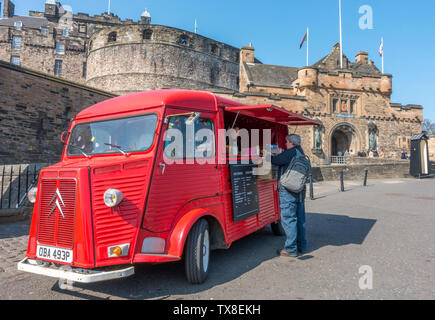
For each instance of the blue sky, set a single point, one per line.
(277, 27)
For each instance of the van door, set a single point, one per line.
(184, 177)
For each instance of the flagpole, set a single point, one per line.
(382, 55)
(108, 11)
(341, 38)
(308, 45)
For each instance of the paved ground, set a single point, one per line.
(387, 226)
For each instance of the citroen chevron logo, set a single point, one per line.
(57, 196)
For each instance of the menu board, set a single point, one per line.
(245, 191)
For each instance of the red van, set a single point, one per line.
(118, 198)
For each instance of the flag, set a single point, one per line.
(303, 40)
(381, 48)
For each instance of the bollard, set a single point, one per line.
(342, 181)
(311, 187)
(366, 172)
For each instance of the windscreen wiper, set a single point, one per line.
(117, 147)
(86, 155)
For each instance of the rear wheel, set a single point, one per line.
(197, 253)
(277, 229)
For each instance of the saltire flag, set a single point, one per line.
(303, 40)
(381, 48)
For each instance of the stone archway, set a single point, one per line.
(343, 138)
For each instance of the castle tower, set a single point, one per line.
(51, 9)
(308, 77)
(145, 18)
(8, 9)
(247, 55)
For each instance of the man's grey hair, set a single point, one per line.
(294, 139)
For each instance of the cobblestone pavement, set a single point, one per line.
(13, 246)
(387, 226)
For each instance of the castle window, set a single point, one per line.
(65, 32)
(60, 48)
(183, 40)
(16, 60)
(147, 34)
(18, 25)
(213, 49)
(82, 28)
(16, 42)
(334, 105)
(44, 31)
(352, 106)
(112, 37)
(58, 68)
(85, 69)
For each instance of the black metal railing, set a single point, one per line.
(16, 182)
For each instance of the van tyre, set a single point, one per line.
(197, 253)
(277, 229)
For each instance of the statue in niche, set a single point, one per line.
(372, 140)
(317, 138)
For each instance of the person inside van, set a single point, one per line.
(292, 205)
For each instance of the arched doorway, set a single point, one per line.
(343, 139)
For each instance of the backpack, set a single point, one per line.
(295, 177)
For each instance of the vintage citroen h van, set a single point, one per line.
(116, 200)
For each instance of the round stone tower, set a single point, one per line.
(386, 84)
(308, 77)
(138, 57)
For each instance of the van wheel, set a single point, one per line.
(197, 253)
(277, 229)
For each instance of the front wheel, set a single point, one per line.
(197, 255)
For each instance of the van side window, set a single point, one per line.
(190, 141)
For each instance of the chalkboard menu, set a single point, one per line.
(245, 191)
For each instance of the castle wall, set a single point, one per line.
(132, 63)
(35, 109)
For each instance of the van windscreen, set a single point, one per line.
(123, 135)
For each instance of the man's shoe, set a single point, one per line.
(284, 253)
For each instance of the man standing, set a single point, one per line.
(292, 204)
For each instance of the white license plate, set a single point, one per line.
(54, 254)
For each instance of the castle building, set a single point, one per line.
(116, 55)
(353, 103)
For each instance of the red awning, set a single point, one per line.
(273, 114)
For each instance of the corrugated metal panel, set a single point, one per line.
(117, 226)
(54, 228)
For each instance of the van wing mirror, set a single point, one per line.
(64, 136)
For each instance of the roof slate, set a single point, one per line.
(282, 76)
(270, 75)
(28, 22)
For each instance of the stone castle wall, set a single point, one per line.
(34, 110)
(152, 57)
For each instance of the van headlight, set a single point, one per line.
(31, 195)
(113, 197)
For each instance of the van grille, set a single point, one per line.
(55, 229)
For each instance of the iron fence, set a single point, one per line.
(16, 182)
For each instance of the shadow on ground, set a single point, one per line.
(14, 229)
(165, 280)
